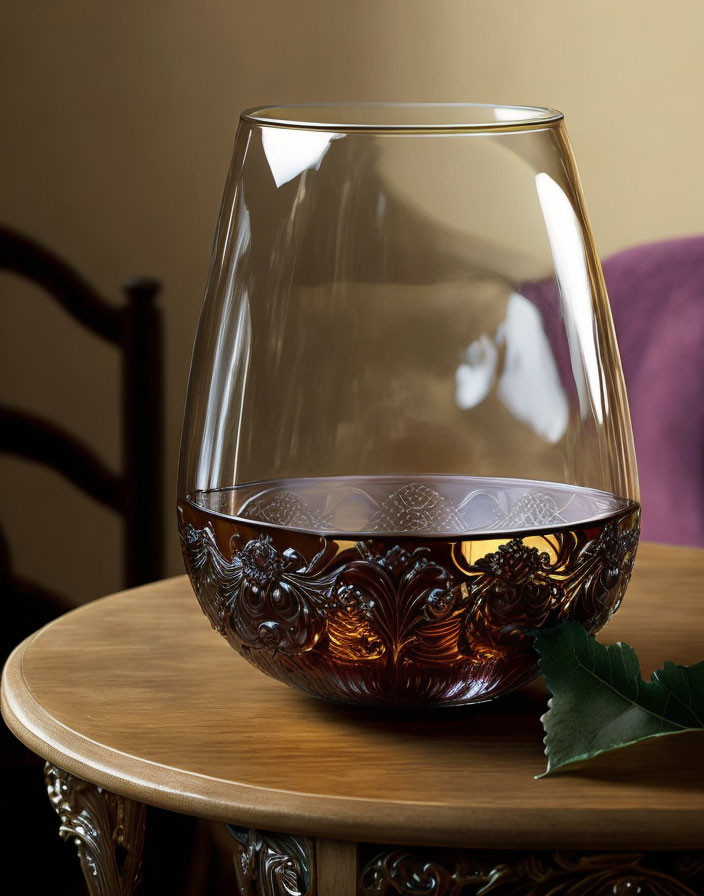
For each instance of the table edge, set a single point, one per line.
(343, 818)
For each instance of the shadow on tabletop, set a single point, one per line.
(672, 762)
(516, 715)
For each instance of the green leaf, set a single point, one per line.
(600, 701)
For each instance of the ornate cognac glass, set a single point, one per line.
(406, 444)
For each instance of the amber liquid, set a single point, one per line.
(404, 590)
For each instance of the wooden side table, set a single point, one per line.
(133, 700)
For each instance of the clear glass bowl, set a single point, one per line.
(406, 444)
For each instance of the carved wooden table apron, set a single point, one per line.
(133, 700)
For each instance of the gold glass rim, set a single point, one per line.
(387, 117)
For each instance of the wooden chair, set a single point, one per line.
(135, 329)
(135, 493)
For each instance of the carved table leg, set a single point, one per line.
(107, 830)
(269, 864)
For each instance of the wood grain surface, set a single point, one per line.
(136, 693)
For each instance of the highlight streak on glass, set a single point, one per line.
(290, 153)
(565, 236)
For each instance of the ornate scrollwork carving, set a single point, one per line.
(269, 864)
(514, 591)
(413, 872)
(603, 573)
(262, 597)
(107, 830)
(401, 596)
(407, 620)
(520, 588)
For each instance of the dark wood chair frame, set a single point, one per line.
(135, 329)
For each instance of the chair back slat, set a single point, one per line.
(135, 328)
(25, 435)
(23, 256)
(142, 433)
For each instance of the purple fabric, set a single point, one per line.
(657, 300)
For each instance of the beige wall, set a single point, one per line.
(117, 122)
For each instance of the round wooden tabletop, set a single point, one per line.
(134, 692)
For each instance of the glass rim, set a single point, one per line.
(390, 117)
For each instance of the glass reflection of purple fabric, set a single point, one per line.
(657, 301)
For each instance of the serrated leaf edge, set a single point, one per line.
(583, 757)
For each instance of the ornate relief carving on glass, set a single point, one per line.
(407, 443)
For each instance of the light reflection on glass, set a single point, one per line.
(231, 361)
(291, 152)
(529, 383)
(476, 375)
(567, 245)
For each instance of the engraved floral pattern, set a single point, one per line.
(603, 572)
(416, 507)
(415, 872)
(263, 598)
(215, 580)
(515, 591)
(376, 620)
(284, 508)
(534, 509)
(400, 597)
(520, 577)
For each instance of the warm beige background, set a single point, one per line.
(117, 123)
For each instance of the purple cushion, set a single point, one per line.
(657, 300)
